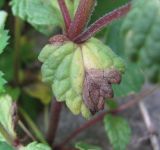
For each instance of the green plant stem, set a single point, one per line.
(46, 117)
(54, 120)
(33, 126)
(22, 126)
(103, 114)
(17, 35)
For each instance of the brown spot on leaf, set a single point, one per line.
(98, 87)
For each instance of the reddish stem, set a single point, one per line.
(81, 18)
(103, 114)
(65, 13)
(54, 120)
(102, 22)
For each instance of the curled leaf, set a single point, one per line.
(78, 70)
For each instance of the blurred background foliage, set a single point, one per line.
(30, 24)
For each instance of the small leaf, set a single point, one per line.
(118, 131)
(6, 112)
(5, 146)
(40, 14)
(84, 146)
(40, 91)
(37, 146)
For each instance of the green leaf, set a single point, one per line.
(84, 146)
(132, 81)
(40, 91)
(3, 16)
(44, 16)
(3, 42)
(5, 146)
(64, 67)
(40, 14)
(6, 111)
(141, 37)
(3, 33)
(3, 39)
(118, 131)
(37, 146)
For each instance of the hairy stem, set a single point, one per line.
(17, 35)
(102, 115)
(81, 18)
(102, 22)
(54, 120)
(65, 13)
